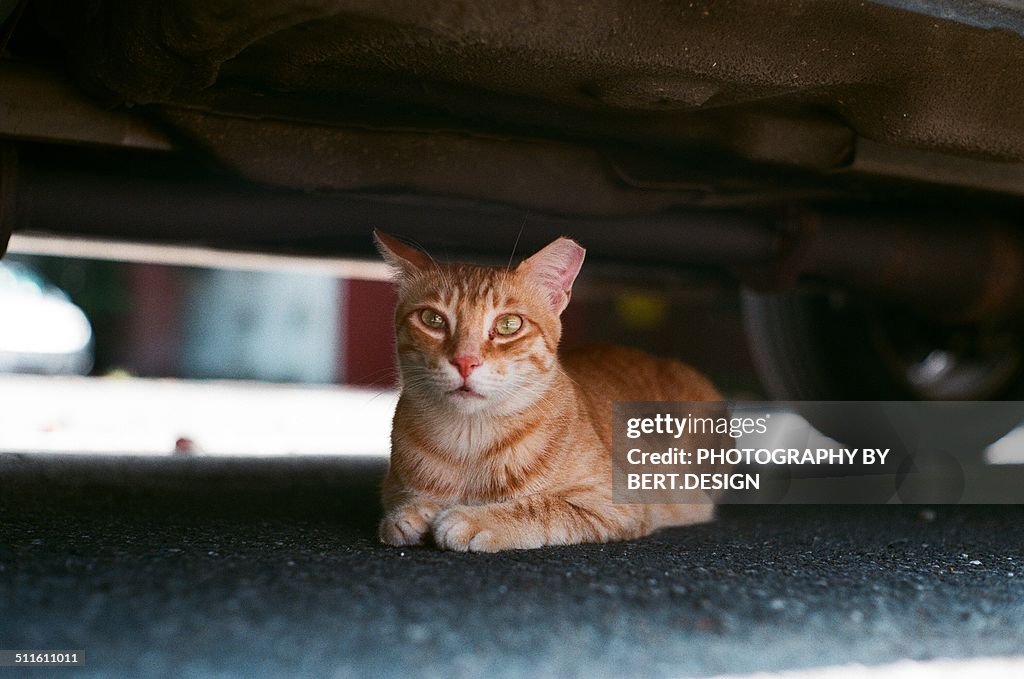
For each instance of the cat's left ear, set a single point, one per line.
(555, 268)
(404, 258)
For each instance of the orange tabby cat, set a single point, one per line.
(498, 443)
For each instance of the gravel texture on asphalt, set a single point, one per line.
(270, 567)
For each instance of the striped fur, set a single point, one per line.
(516, 454)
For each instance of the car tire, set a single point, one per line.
(818, 346)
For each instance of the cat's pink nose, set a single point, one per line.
(466, 364)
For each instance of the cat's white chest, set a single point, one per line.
(468, 438)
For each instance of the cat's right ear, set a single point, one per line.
(402, 257)
(555, 268)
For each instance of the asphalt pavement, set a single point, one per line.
(269, 567)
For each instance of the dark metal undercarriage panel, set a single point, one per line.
(601, 108)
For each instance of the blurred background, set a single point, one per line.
(119, 356)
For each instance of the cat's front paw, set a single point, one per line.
(467, 529)
(408, 524)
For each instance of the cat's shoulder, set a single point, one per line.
(607, 355)
(634, 374)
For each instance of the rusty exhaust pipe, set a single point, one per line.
(948, 271)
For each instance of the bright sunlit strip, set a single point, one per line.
(1007, 450)
(144, 253)
(156, 417)
(990, 668)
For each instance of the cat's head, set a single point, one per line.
(474, 339)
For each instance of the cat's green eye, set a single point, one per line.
(432, 319)
(508, 324)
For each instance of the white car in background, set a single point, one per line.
(42, 330)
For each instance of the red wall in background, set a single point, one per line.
(151, 344)
(368, 357)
